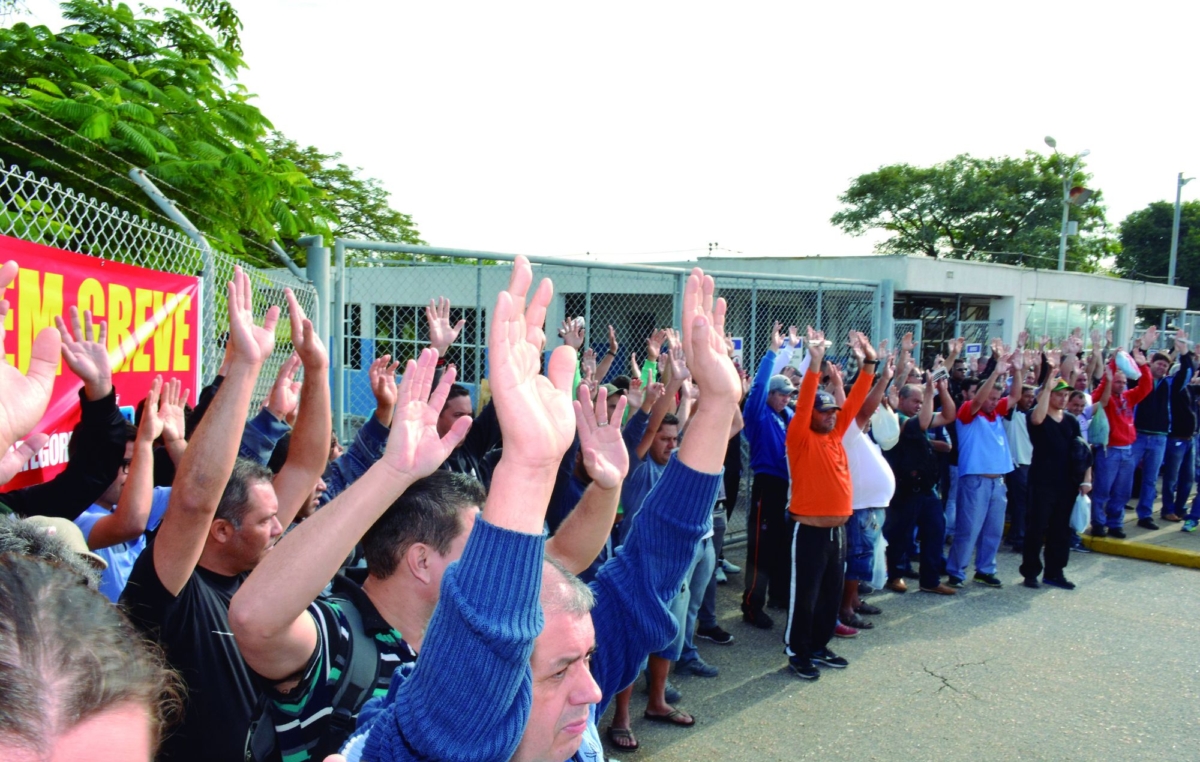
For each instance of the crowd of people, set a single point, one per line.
(208, 585)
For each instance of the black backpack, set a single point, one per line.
(354, 688)
(914, 462)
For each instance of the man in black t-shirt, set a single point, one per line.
(223, 517)
(1054, 483)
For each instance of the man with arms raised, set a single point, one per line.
(223, 516)
(535, 641)
(302, 647)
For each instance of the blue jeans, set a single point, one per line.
(862, 532)
(1179, 471)
(979, 524)
(708, 608)
(694, 585)
(1112, 481)
(952, 500)
(1148, 452)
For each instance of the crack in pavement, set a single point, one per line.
(946, 681)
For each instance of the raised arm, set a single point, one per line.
(268, 614)
(871, 403)
(925, 414)
(949, 410)
(27, 394)
(808, 387)
(1037, 416)
(582, 534)
(679, 372)
(609, 357)
(308, 453)
(204, 471)
(864, 353)
(132, 512)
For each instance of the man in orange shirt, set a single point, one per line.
(820, 506)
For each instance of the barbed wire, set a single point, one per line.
(125, 178)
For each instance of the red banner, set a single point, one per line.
(153, 329)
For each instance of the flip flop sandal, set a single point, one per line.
(858, 623)
(674, 718)
(618, 735)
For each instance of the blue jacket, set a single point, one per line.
(766, 430)
(482, 633)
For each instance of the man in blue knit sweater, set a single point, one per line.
(511, 668)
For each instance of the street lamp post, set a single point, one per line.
(1066, 202)
(1182, 181)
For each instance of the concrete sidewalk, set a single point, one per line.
(1166, 545)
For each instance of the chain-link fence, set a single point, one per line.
(37, 210)
(381, 302)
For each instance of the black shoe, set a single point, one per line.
(955, 582)
(1099, 531)
(759, 619)
(1147, 524)
(1117, 534)
(867, 609)
(803, 668)
(828, 658)
(1031, 582)
(988, 579)
(1060, 582)
(715, 634)
(864, 589)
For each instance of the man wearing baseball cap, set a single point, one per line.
(820, 506)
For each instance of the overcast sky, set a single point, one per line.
(647, 130)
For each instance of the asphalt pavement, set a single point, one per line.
(1109, 671)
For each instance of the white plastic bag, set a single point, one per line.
(885, 428)
(1126, 365)
(1081, 514)
(879, 564)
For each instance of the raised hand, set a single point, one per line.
(703, 342)
(284, 396)
(635, 370)
(836, 380)
(414, 448)
(816, 346)
(534, 411)
(249, 344)
(1096, 338)
(305, 340)
(151, 426)
(654, 344)
(1022, 338)
(1149, 337)
(441, 333)
(652, 393)
(571, 333)
(604, 453)
(678, 364)
(613, 346)
(587, 365)
(171, 409)
(25, 395)
(906, 342)
(87, 358)
(793, 336)
(382, 375)
(864, 343)
(634, 394)
(856, 348)
(956, 345)
(776, 337)
(1181, 342)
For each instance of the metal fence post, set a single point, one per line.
(478, 329)
(820, 306)
(587, 307)
(677, 301)
(339, 340)
(751, 360)
(317, 270)
(887, 306)
(208, 312)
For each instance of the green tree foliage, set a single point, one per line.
(120, 88)
(360, 206)
(1146, 246)
(1002, 210)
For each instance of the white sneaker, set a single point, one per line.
(721, 578)
(729, 568)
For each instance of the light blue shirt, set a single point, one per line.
(120, 557)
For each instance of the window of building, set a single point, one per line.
(1057, 319)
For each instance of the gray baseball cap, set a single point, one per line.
(781, 384)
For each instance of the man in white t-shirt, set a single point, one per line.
(872, 483)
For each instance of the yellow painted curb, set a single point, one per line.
(1143, 551)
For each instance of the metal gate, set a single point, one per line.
(902, 327)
